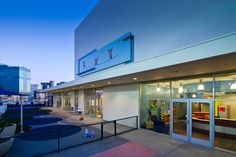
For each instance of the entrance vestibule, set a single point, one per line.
(94, 103)
(191, 121)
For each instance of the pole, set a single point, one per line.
(58, 141)
(101, 130)
(21, 116)
(115, 128)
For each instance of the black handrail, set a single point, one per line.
(59, 130)
(83, 125)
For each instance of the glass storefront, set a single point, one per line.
(94, 102)
(225, 111)
(155, 106)
(76, 100)
(58, 100)
(190, 106)
(67, 101)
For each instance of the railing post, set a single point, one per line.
(115, 128)
(101, 130)
(136, 122)
(58, 141)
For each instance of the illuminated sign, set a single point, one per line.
(117, 52)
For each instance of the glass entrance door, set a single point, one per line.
(191, 121)
(99, 100)
(93, 103)
(93, 107)
(179, 118)
(201, 122)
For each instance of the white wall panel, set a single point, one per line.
(158, 26)
(120, 102)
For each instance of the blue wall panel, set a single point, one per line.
(116, 52)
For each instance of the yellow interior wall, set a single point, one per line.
(217, 103)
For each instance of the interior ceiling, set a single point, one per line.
(211, 65)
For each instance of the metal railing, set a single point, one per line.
(61, 142)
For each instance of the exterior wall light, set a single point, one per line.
(194, 96)
(108, 82)
(135, 78)
(200, 86)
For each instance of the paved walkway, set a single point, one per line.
(73, 118)
(140, 143)
(70, 117)
(28, 147)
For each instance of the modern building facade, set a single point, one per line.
(15, 79)
(170, 63)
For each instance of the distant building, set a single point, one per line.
(60, 83)
(46, 85)
(15, 79)
(46, 98)
(34, 88)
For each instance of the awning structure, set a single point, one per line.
(212, 56)
(215, 64)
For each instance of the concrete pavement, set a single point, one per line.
(140, 142)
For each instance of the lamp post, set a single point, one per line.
(21, 116)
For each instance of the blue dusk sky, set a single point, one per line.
(39, 35)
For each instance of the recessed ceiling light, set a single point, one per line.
(135, 78)
(108, 82)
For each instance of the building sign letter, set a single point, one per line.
(117, 52)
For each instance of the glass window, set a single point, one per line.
(155, 106)
(94, 102)
(225, 111)
(76, 100)
(155, 90)
(58, 100)
(193, 88)
(67, 101)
